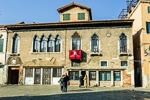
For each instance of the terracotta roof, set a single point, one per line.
(70, 5)
(1, 26)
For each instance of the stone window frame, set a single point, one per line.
(101, 63)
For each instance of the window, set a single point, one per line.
(1, 45)
(15, 43)
(75, 63)
(29, 72)
(148, 27)
(123, 43)
(43, 44)
(94, 43)
(74, 75)
(105, 76)
(124, 63)
(76, 42)
(57, 44)
(66, 16)
(50, 46)
(92, 75)
(81, 16)
(117, 76)
(103, 63)
(148, 9)
(57, 72)
(36, 44)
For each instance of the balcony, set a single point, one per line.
(75, 55)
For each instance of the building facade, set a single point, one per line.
(40, 53)
(139, 10)
(3, 44)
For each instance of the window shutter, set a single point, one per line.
(148, 27)
(1, 45)
(148, 9)
(66, 16)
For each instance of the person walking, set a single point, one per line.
(80, 80)
(65, 82)
(85, 81)
(61, 82)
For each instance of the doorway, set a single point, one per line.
(83, 74)
(13, 75)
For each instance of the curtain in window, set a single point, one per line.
(36, 44)
(123, 43)
(15, 44)
(1, 45)
(94, 43)
(43, 44)
(57, 44)
(50, 46)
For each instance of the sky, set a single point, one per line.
(45, 11)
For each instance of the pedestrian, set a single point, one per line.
(65, 82)
(80, 80)
(61, 82)
(85, 81)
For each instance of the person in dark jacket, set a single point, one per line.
(65, 82)
(61, 82)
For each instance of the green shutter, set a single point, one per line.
(148, 9)
(81, 16)
(1, 45)
(66, 16)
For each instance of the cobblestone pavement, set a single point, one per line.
(52, 92)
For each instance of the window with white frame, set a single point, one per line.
(50, 44)
(94, 43)
(28, 72)
(123, 43)
(43, 44)
(57, 72)
(57, 44)
(15, 43)
(117, 76)
(124, 63)
(76, 41)
(36, 44)
(105, 76)
(1, 45)
(103, 63)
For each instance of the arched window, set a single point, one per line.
(15, 43)
(36, 44)
(57, 44)
(94, 43)
(43, 44)
(50, 44)
(76, 42)
(123, 43)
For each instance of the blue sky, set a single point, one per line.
(45, 11)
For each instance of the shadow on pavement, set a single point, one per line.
(100, 95)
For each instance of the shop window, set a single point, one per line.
(50, 44)
(66, 17)
(1, 45)
(75, 63)
(94, 43)
(92, 75)
(74, 75)
(117, 76)
(124, 63)
(57, 43)
(105, 76)
(15, 43)
(76, 42)
(81, 16)
(29, 72)
(57, 72)
(103, 63)
(123, 43)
